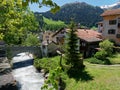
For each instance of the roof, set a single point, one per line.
(89, 35)
(57, 32)
(47, 43)
(111, 12)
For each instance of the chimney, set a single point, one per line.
(79, 26)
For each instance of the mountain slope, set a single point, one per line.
(113, 6)
(81, 12)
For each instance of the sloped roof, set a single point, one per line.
(111, 12)
(89, 35)
(57, 32)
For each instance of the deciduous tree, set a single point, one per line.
(15, 21)
(48, 3)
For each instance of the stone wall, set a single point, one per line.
(14, 50)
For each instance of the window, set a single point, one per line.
(83, 44)
(111, 31)
(118, 22)
(118, 25)
(47, 37)
(112, 22)
(118, 35)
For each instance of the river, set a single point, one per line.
(25, 73)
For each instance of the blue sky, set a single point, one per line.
(35, 7)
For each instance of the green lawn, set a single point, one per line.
(95, 76)
(100, 77)
(115, 59)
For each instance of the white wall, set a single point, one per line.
(106, 27)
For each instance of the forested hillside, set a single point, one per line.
(83, 13)
(49, 24)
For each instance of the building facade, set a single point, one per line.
(111, 25)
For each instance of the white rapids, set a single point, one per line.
(25, 73)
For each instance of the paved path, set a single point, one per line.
(25, 73)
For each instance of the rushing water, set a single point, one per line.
(25, 73)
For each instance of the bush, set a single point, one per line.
(107, 46)
(101, 55)
(31, 40)
(105, 52)
(47, 63)
(95, 61)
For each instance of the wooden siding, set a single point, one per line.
(111, 17)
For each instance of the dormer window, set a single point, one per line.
(112, 22)
(111, 31)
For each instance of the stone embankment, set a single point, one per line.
(7, 81)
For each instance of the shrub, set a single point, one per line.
(31, 40)
(47, 63)
(94, 60)
(107, 46)
(53, 80)
(101, 55)
(106, 51)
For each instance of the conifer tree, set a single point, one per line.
(72, 54)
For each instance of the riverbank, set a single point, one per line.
(7, 81)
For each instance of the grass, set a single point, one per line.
(95, 76)
(104, 77)
(115, 59)
(50, 21)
